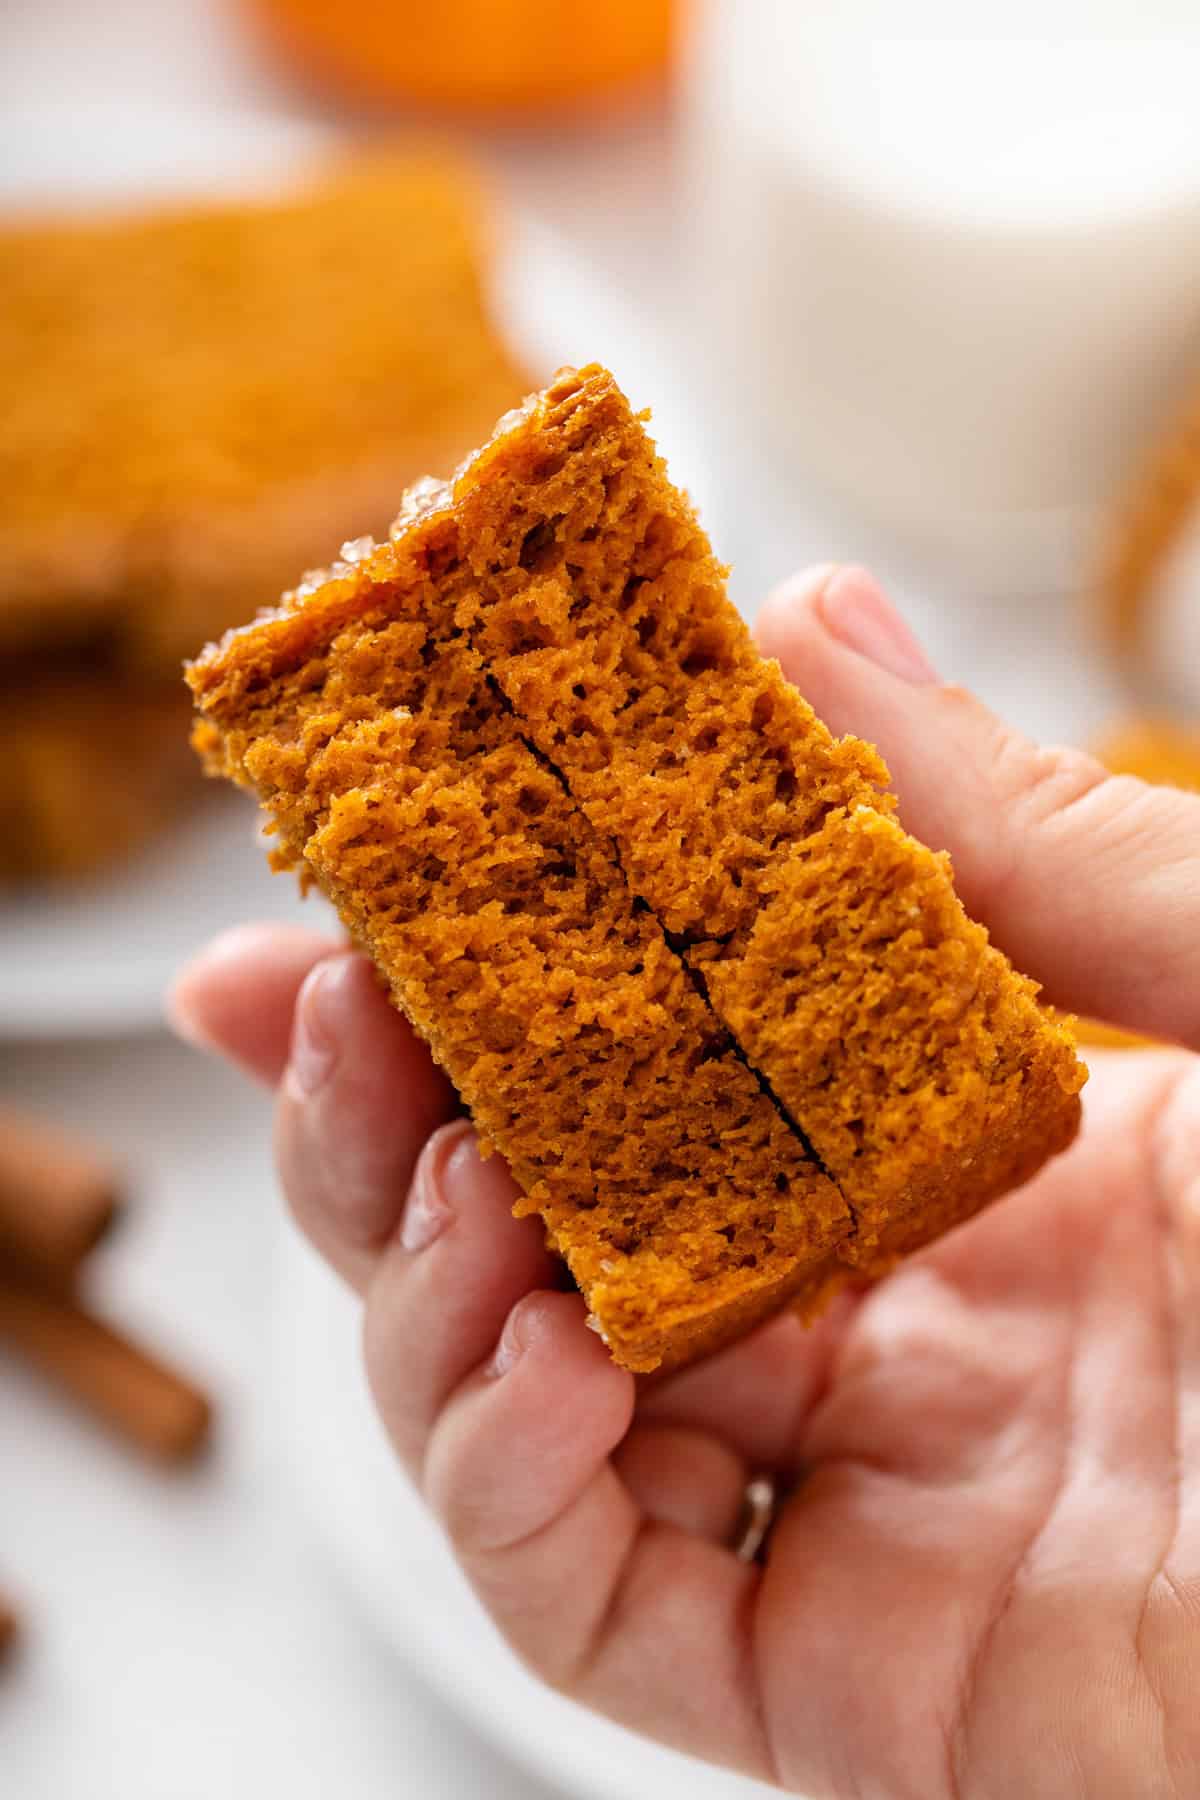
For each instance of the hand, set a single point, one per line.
(986, 1581)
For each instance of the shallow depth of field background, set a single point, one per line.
(897, 295)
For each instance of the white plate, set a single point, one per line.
(400, 1569)
(97, 958)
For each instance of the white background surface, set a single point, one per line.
(189, 1637)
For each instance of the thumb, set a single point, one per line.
(1089, 881)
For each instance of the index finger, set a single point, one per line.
(1090, 882)
(237, 994)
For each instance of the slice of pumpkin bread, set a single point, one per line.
(590, 837)
(915, 1060)
(397, 777)
(195, 400)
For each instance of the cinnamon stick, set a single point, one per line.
(57, 1198)
(9, 1627)
(130, 1390)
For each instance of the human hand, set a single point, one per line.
(986, 1580)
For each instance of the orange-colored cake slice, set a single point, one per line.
(197, 402)
(570, 590)
(396, 776)
(918, 1064)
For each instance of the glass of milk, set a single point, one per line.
(950, 257)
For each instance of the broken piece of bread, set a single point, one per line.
(729, 1025)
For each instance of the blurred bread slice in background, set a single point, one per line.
(195, 404)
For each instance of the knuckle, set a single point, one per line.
(465, 1514)
(337, 1171)
(1036, 790)
(469, 1510)
(1039, 784)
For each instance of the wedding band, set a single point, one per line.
(757, 1517)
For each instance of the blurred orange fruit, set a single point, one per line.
(495, 56)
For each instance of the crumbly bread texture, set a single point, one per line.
(564, 584)
(396, 776)
(195, 403)
(915, 1060)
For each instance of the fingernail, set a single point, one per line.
(799, 590)
(513, 1343)
(809, 582)
(181, 1024)
(315, 1028)
(229, 946)
(441, 1187)
(857, 612)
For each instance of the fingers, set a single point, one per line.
(641, 1620)
(756, 1397)
(360, 1094)
(359, 1098)
(529, 1430)
(1090, 882)
(236, 995)
(510, 1413)
(439, 1296)
(684, 1476)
